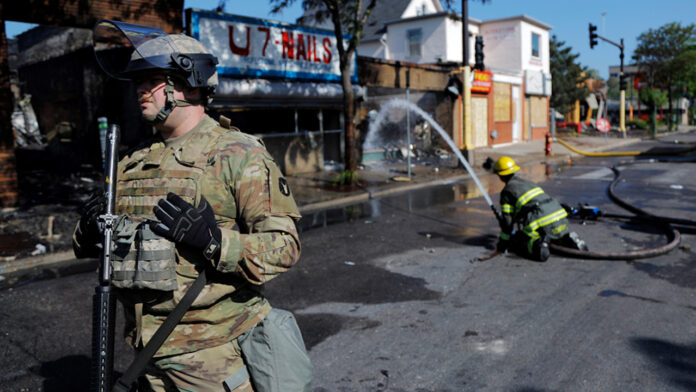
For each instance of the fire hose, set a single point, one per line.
(665, 223)
(625, 153)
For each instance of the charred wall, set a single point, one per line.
(387, 79)
(67, 103)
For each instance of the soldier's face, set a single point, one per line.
(151, 96)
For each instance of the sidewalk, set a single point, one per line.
(315, 191)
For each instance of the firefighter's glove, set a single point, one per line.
(91, 229)
(182, 223)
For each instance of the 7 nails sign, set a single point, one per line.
(255, 48)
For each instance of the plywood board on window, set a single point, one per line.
(479, 121)
(539, 113)
(501, 102)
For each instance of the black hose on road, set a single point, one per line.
(673, 235)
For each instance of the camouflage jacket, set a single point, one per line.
(254, 210)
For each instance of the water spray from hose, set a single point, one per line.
(405, 105)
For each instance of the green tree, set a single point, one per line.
(613, 91)
(653, 98)
(567, 74)
(666, 57)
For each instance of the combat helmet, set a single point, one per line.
(125, 50)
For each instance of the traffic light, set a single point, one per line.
(622, 83)
(593, 36)
(478, 53)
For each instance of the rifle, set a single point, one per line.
(104, 300)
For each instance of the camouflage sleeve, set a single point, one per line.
(268, 243)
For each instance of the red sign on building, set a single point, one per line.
(483, 81)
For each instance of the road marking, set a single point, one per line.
(498, 346)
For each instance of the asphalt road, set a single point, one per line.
(389, 297)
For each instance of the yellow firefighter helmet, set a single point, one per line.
(504, 166)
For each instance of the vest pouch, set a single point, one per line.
(141, 259)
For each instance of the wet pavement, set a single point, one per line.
(29, 249)
(390, 297)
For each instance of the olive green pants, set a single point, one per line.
(200, 371)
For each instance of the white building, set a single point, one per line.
(516, 53)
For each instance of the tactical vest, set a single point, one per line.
(141, 259)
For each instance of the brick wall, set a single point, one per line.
(8, 172)
(164, 14)
(8, 177)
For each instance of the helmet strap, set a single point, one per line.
(170, 103)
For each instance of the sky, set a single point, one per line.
(615, 19)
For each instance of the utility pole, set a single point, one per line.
(622, 81)
(466, 79)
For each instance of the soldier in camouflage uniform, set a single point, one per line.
(539, 218)
(217, 197)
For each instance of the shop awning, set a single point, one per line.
(264, 93)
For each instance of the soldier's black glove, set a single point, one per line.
(90, 228)
(185, 224)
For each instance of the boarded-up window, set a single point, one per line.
(539, 114)
(479, 121)
(501, 102)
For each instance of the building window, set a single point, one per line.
(414, 42)
(535, 45)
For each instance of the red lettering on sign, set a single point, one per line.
(242, 51)
(316, 58)
(327, 50)
(288, 45)
(268, 37)
(301, 47)
(310, 49)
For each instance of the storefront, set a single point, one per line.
(280, 82)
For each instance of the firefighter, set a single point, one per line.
(531, 218)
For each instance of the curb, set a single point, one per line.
(35, 261)
(369, 195)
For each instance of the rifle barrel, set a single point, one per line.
(104, 300)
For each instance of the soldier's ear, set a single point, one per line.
(191, 93)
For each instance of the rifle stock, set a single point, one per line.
(104, 301)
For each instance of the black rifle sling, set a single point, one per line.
(127, 381)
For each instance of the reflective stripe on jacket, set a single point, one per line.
(525, 204)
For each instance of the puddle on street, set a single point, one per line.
(427, 197)
(317, 327)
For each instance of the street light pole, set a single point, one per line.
(622, 82)
(622, 87)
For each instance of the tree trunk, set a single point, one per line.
(670, 121)
(348, 114)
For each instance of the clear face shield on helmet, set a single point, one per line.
(118, 48)
(124, 50)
